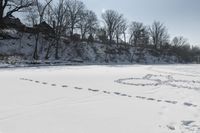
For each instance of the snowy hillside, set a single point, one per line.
(22, 45)
(101, 99)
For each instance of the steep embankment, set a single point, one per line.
(19, 47)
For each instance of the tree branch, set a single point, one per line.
(18, 8)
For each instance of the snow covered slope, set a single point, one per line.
(22, 46)
(101, 99)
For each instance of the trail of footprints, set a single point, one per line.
(115, 93)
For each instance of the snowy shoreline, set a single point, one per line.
(49, 64)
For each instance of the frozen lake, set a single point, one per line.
(101, 99)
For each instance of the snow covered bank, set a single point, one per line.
(20, 48)
(108, 99)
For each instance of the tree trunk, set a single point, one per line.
(35, 54)
(57, 47)
(117, 39)
(48, 51)
(72, 31)
(1, 13)
(1, 9)
(110, 36)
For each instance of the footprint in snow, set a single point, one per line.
(171, 102)
(159, 100)
(140, 97)
(117, 93)
(151, 99)
(93, 90)
(189, 104)
(44, 83)
(124, 95)
(187, 123)
(129, 96)
(78, 88)
(106, 92)
(64, 86)
(171, 127)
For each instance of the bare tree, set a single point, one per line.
(179, 41)
(8, 7)
(41, 8)
(138, 34)
(112, 20)
(36, 15)
(121, 30)
(124, 29)
(88, 23)
(32, 17)
(158, 34)
(75, 9)
(61, 23)
(49, 14)
(102, 35)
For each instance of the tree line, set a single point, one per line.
(68, 17)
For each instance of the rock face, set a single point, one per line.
(13, 22)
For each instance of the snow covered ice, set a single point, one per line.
(101, 99)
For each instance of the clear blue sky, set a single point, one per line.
(182, 17)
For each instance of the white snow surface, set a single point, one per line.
(101, 99)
